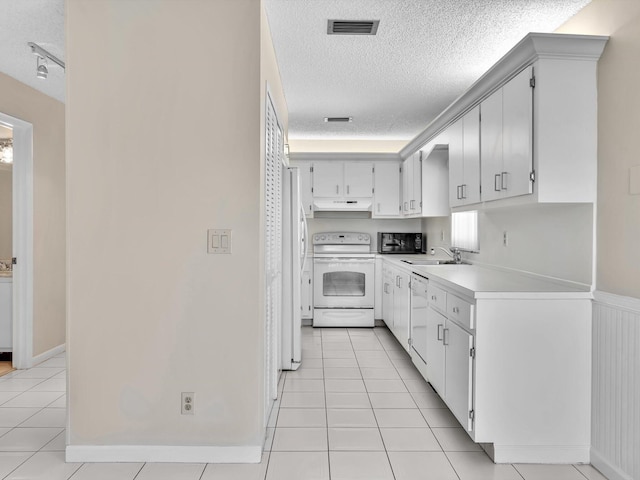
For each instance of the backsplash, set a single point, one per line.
(6, 265)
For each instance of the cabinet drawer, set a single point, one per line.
(460, 311)
(437, 298)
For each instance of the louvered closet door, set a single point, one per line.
(273, 251)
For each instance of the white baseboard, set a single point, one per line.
(44, 356)
(609, 470)
(163, 454)
(540, 454)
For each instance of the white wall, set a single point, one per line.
(6, 230)
(552, 240)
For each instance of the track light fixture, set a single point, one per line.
(42, 60)
(42, 70)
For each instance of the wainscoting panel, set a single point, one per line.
(616, 386)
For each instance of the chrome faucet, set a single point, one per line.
(454, 253)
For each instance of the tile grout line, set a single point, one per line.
(386, 452)
(326, 405)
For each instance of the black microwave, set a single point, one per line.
(400, 242)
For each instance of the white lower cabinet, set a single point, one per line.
(450, 353)
(396, 306)
(458, 373)
(6, 315)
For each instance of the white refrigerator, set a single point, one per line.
(294, 255)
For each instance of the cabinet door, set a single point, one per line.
(471, 145)
(387, 297)
(416, 188)
(435, 350)
(327, 179)
(456, 163)
(401, 309)
(517, 131)
(419, 305)
(459, 373)
(386, 194)
(407, 185)
(491, 146)
(306, 294)
(306, 193)
(358, 179)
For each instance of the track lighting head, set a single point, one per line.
(43, 57)
(42, 70)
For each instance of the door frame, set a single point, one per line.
(22, 240)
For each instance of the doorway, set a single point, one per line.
(21, 240)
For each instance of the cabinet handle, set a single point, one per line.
(398, 281)
(496, 179)
(440, 325)
(405, 206)
(385, 288)
(445, 341)
(503, 180)
(456, 310)
(337, 188)
(411, 204)
(434, 298)
(458, 194)
(464, 191)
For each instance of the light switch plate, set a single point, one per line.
(634, 180)
(219, 241)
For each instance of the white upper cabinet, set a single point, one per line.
(358, 179)
(435, 181)
(342, 179)
(464, 159)
(536, 141)
(386, 190)
(506, 131)
(328, 179)
(412, 185)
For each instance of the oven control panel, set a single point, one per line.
(341, 238)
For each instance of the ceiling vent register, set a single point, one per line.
(338, 119)
(352, 27)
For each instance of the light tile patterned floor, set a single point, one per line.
(357, 409)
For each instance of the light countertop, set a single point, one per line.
(486, 282)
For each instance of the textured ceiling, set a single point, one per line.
(38, 21)
(426, 53)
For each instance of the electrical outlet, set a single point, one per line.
(505, 239)
(188, 403)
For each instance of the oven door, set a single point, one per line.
(343, 282)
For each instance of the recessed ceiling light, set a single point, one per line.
(352, 27)
(338, 119)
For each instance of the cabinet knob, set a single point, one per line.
(456, 310)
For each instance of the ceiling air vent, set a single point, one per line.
(338, 119)
(352, 27)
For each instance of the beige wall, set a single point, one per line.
(6, 214)
(47, 117)
(151, 314)
(618, 212)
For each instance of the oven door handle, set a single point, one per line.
(343, 260)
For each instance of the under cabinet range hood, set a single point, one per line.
(342, 205)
